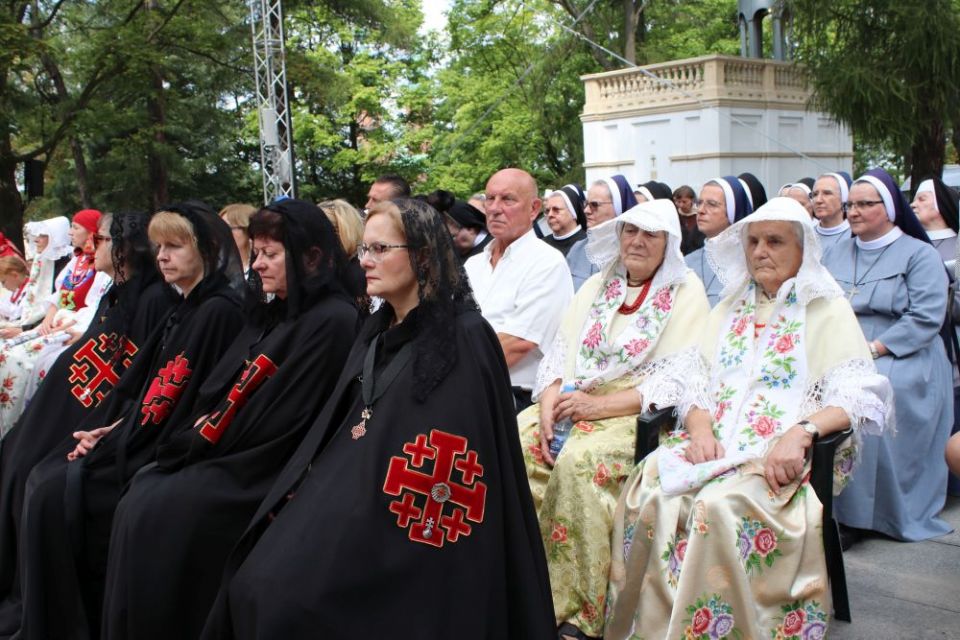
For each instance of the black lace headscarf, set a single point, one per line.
(134, 267)
(222, 267)
(444, 291)
(316, 265)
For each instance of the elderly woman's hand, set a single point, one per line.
(703, 445)
(578, 405)
(786, 459)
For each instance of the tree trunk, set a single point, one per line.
(80, 169)
(927, 153)
(11, 204)
(629, 31)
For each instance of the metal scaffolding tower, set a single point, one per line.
(276, 148)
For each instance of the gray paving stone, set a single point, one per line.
(904, 590)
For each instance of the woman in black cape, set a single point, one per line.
(178, 519)
(79, 381)
(406, 510)
(69, 503)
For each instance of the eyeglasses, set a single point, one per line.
(713, 204)
(860, 204)
(593, 204)
(377, 250)
(97, 239)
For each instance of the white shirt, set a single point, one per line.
(525, 296)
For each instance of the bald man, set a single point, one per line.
(521, 284)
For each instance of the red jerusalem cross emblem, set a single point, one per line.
(165, 390)
(438, 504)
(92, 375)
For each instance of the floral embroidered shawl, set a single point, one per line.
(757, 387)
(602, 358)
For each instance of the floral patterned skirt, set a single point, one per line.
(575, 503)
(19, 377)
(728, 560)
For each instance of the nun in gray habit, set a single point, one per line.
(938, 208)
(738, 202)
(897, 285)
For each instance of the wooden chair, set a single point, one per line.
(651, 423)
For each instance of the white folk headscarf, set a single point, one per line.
(603, 241)
(726, 256)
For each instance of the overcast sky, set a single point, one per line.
(433, 17)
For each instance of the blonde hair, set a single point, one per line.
(10, 265)
(237, 215)
(167, 225)
(347, 223)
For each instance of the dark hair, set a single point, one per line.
(440, 200)
(266, 224)
(443, 290)
(684, 191)
(131, 251)
(315, 262)
(401, 188)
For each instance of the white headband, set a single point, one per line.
(727, 196)
(614, 195)
(566, 202)
(844, 189)
(884, 195)
(746, 189)
(646, 193)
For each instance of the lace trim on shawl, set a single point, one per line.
(550, 368)
(865, 396)
(696, 392)
(665, 381)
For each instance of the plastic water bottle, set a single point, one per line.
(562, 428)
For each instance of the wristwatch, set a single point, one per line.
(810, 428)
(874, 351)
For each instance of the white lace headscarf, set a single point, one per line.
(603, 241)
(57, 230)
(726, 253)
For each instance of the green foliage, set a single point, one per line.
(677, 29)
(889, 69)
(156, 96)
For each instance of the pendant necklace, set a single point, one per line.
(854, 290)
(371, 388)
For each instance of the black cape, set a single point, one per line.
(341, 559)
(73, 389)
(178, 520)
(563, 246)
(69, 506)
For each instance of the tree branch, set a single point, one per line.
(49, 19)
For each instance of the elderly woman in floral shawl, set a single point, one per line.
(717, 533)
(626, 342)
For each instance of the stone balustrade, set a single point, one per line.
(709, 80)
